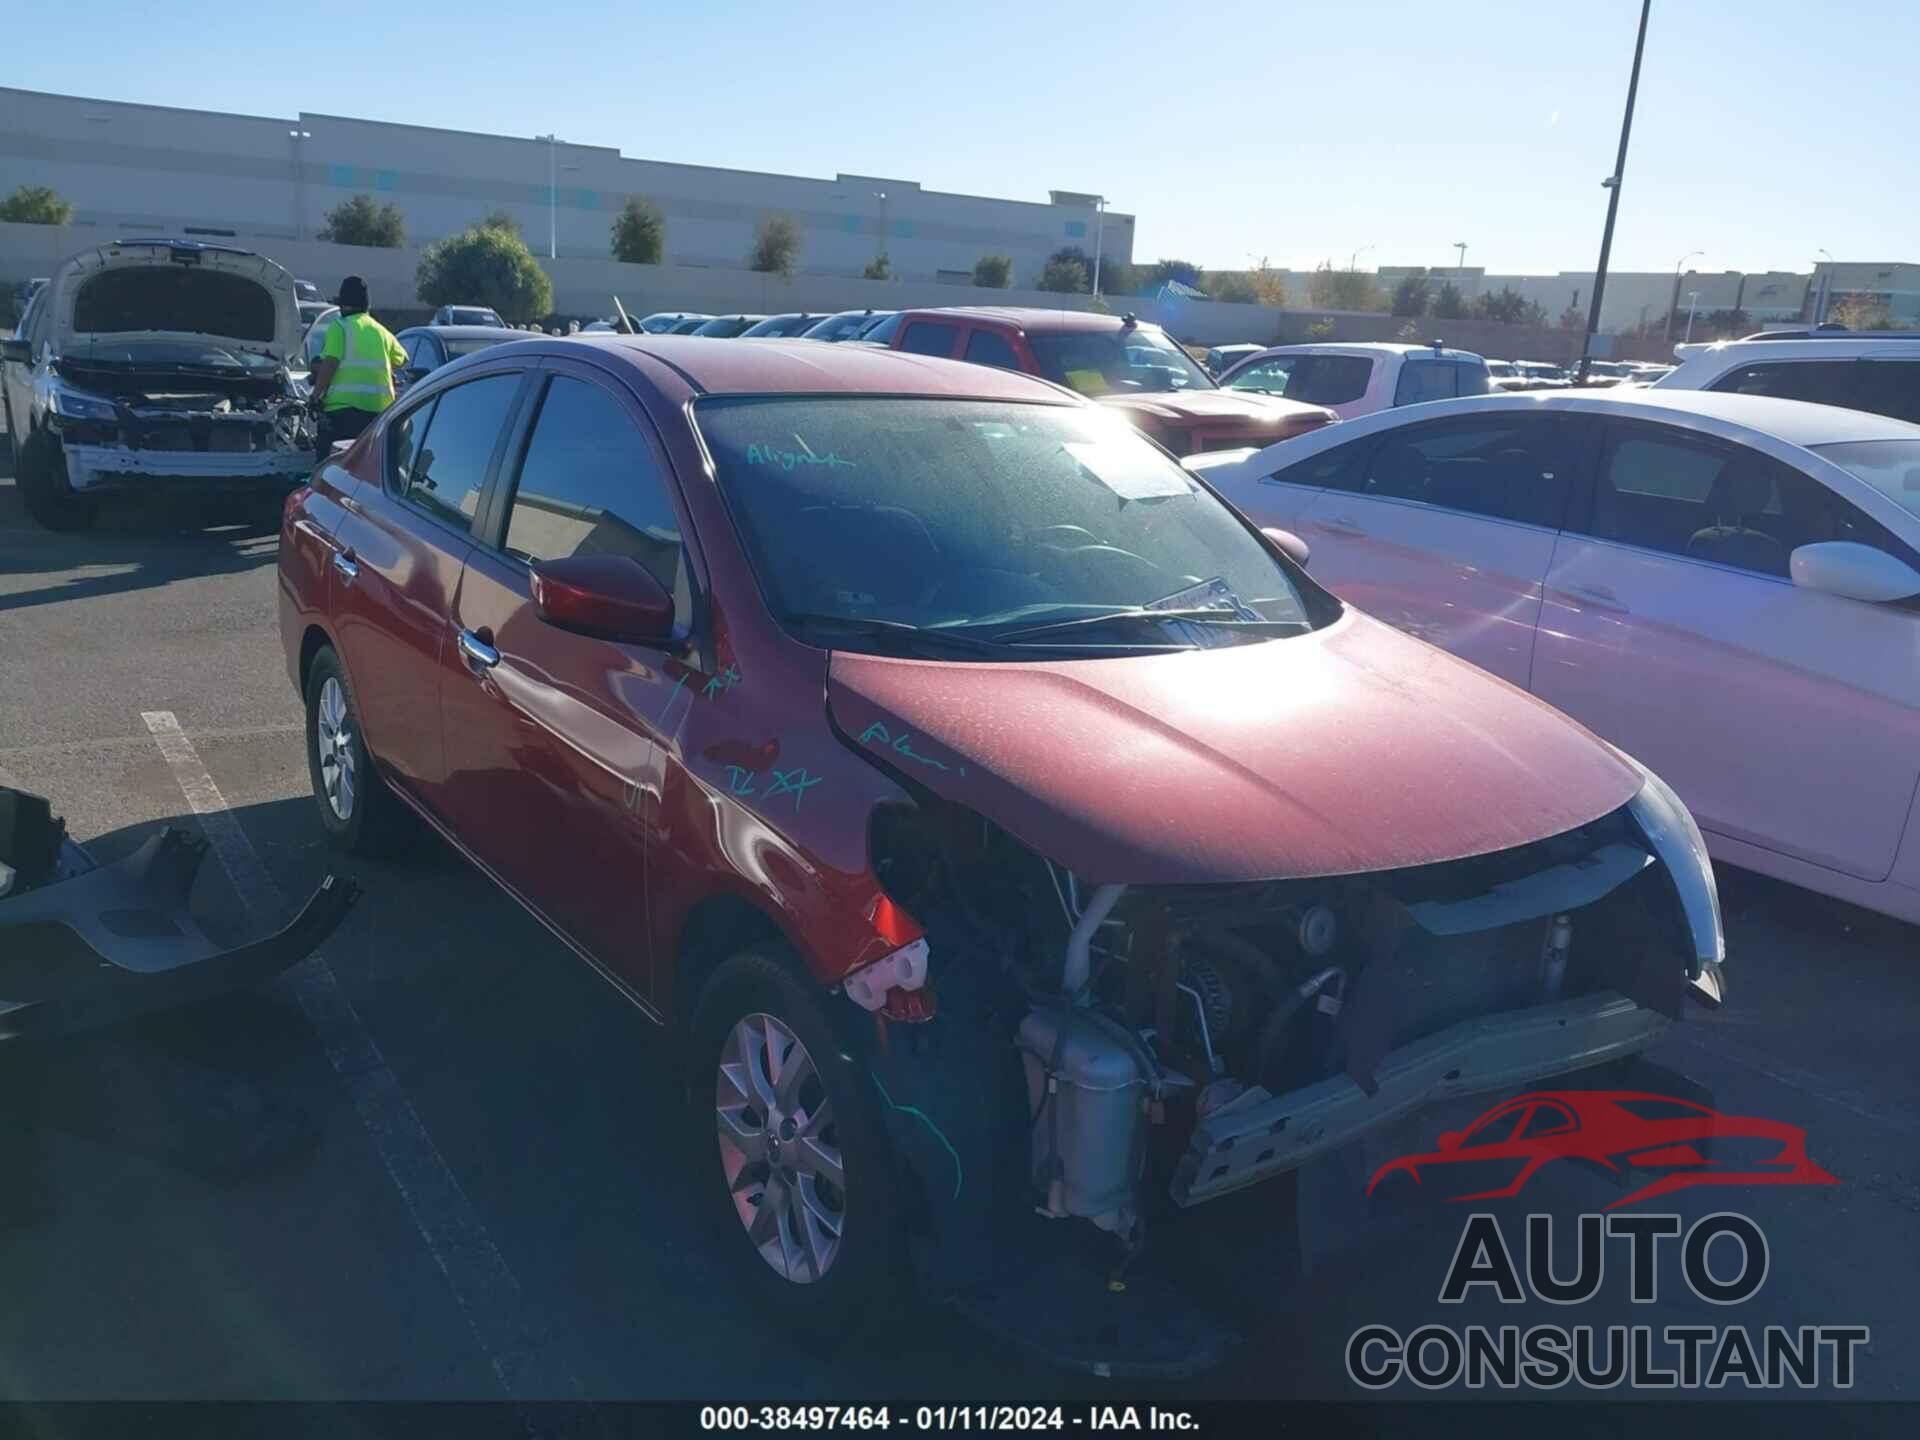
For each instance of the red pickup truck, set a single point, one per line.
(1117, 359)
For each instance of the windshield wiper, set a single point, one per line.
(1213, 616)
(872, 627)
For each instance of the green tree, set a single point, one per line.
(1068, 271)
(1233, 287)
(1448, 303)
(1184, 271)
(36, 205)
(1117, 277)
(1571, 318)
(1331, 289)
(1505, 306)
(1321, 329)
(878, 268)
(776, 246)
(1269, 285)
(1411, 296)
(1858, 311)
(639, 232)
(361, 222)
(500, 220)
(1534, 313)
(485, 265)
(993, 272)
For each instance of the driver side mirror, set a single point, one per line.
(1858, 572)
(612, 597)
(18, 349)
(1450, 1139)
(1290, 544)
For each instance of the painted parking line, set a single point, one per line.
(524, 1362)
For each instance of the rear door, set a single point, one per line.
(1786, 718)
(1445, 529)
(401, 548)
(551, 744)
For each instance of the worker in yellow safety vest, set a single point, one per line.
(353, 378)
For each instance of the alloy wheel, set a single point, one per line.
(333, 738)
(780, 1149)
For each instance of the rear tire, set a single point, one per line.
(358, 813)
(43, 485)
(797, 1179)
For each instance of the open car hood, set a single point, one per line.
(272, 327)
(1352, 749)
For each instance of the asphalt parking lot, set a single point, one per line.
(482, 1199)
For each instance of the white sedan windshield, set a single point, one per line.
(1891, 466)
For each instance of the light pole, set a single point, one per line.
(1353, 260)
(1826, 289)
(1099, 234)
(1459, 269)
(1674, 304)
(553, 194)
(1612, 185)
(1693, 304)
(294, 138)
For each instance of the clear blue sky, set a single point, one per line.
(1766, 129)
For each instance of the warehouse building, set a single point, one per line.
(254, 179)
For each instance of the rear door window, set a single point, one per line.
(1424, 380)
(1341, 468)
(990, 347)
(1507, 469)
(924, 337)
(449, 464)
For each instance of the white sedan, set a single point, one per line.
(1725, 586)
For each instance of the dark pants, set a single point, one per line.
(345, 423)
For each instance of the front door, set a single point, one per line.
(401, 546)
(1445, 530)
(1784, 717)
(551, 744)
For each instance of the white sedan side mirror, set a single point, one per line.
(1859, 572)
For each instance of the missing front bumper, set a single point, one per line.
(1260, 1135)
(98, 469)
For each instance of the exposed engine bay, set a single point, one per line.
(1181, 1042)
(135, 420)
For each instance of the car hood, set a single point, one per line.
(1220, 409)
(1352, 749)
(283, 301)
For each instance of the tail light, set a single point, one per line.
(884, 983)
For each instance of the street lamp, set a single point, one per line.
(1674, 304)
(1099, 235)
(1612, 186)
(1353, 260)
(1461, 246)
(1693, 304)
(294, 137)
(553, 194)
(1826, 288)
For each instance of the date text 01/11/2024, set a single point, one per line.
(947, 1418)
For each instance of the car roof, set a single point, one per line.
(1797, 422)
(1032, 318)
(463, 332)
(802, 367)
(1728, 353)
(1371, 347)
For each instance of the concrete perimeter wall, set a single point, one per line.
(584, 288)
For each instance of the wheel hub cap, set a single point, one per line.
(780, 1149)
(333, 744)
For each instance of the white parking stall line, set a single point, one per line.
(482, 1285)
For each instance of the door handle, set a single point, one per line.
(1597, 597)
(477, 651)
(1342, 525)
(344, 563)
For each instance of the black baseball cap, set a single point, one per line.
(353, 293)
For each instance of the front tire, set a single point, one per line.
(42, 477)
(790, 1154)
(358, 814)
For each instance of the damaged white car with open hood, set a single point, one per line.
(156, 366)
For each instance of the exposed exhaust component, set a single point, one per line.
(1087, 1084)
(1079, 966)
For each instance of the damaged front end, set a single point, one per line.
(84, 945)
(121, 423)
(1178, 1042)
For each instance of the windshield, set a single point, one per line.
(980, 520)
(462, 316)
(1133, 361)
(661, 324)
(842, 327)
(725, 327)
(1310, 379)
(1890, 466)
(780, 325)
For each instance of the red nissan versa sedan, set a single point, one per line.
(1006, 824)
